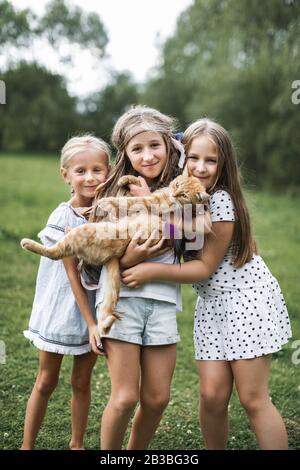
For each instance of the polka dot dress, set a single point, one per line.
(240, 312)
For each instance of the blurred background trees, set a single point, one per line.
(233, 61)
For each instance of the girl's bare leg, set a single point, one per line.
(81, 397)
(157, 367)
(216, 381)
(251, 378)
(123, 361)
(45, 384)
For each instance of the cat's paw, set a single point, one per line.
(128, 179)
(104, 207)
(101, 212)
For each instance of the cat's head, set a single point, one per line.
(188, 190)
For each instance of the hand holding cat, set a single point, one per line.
(95, 341)
(136, 253)
(140, 191)
(140, 274)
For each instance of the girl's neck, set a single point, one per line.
(79, 201)
(151, 183)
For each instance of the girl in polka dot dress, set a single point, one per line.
(241, 317)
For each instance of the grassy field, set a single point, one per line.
(30, 189)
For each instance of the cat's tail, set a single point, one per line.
(109, 321)
(52, 252)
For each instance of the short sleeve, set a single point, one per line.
(222, 208)
(60, 219)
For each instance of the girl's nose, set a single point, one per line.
(89, 176)
(200, 167)
(147, 155)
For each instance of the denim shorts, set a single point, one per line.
(147, 322)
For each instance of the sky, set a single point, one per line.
(134, 28)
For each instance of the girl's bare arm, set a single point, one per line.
(209, 258)
(70, 265)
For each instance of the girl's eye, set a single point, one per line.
(80, 170)
(192, 158)
(212, 160)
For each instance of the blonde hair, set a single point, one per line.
(229, 179)
(136, 120)
(81, 143)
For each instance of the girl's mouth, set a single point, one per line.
(150, 165)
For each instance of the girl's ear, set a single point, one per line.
(64, 174)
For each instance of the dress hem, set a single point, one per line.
(55, 348)
(261, 353)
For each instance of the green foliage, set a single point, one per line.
(39, 113)
(104, 107)
(62, 21)
(38, 103)
(235, 62)
(14, 26)
(31, 189)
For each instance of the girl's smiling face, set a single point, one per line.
(147, 154)
(202, 160)
(85, 171)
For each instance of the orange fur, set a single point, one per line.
(105, 241)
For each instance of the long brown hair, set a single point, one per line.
(228, 178)
(140, 119)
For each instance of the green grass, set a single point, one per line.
(30, 188)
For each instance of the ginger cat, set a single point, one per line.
(104, 242)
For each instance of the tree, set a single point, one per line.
(39, 114)
(235, 62)
(65, 22)
(59, 23)
(104, 107)
(14, 26)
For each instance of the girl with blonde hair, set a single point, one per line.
(63, 319)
